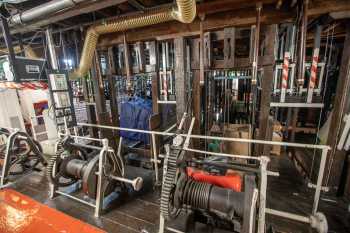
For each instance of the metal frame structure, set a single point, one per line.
(5, 170)
(99, 201)
(263, 169)
(291, 80)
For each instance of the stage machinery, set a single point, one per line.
(100, 172)
(207, 191)
(19, 154)
(204, 190)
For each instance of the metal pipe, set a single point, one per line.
(276, 143)
(302, 48)
(42, 11)
(291, 216)
(75, 198)
(185, 12)
(52, 51)
(136, 183)
(319, 180)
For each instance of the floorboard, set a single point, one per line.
(141, 213)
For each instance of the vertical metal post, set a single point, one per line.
(161, 224)
(319, 180)
(155, 158)
(302, 47)
(313, 68)
(263, 187)
(8, 42)
(285, 71)
(6, 165)
(255, 66)
(51, 47)
(127, 63)
(99, 194)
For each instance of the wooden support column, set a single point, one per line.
(100, 101)
(229, 47)
(180, 74)
(153, 53)
(197, 79)
(336, 158)
(127, 62)
(112, 90)
(266, 90)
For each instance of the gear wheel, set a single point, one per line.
(167, 208)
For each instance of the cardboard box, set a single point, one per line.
(237, 131)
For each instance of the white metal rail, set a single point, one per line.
(263, 166)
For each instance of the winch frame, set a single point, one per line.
(13, 134)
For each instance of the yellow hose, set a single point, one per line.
(29, 52)
(185, 13)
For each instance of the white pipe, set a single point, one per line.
(289, 144)
(291, 216)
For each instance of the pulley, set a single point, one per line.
(72, 164)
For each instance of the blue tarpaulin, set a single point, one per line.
(135, 114)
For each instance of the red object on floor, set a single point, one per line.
(21, 214)
(231, 180)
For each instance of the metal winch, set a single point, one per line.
(73, 163)
(223, 199)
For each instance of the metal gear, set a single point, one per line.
(167, 209)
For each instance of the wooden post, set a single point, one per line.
(153, 53)
(229, 47)
(100, 101)
(336, 158)
(266, 88)
(180, 74)
(112, 90)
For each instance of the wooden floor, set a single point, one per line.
(141, 213)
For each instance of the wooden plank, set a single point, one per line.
(229, 47)
(153, 49)
(232, 18)
(266, 88)
(180, 74)
(341, 106)
(207, 50)
(112, 91)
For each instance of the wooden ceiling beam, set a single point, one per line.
(237, 18)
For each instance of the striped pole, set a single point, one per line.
(284, 83)
(313, 75)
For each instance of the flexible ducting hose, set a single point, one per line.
(185, 12)
(29, 52)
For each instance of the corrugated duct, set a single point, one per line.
(185, 12)
(29, 52)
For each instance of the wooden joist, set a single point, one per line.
(217, 21)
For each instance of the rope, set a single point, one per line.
(323, 97)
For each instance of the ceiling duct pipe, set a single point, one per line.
(42, 11)
(185, 12)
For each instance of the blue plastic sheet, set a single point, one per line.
(135, 114)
